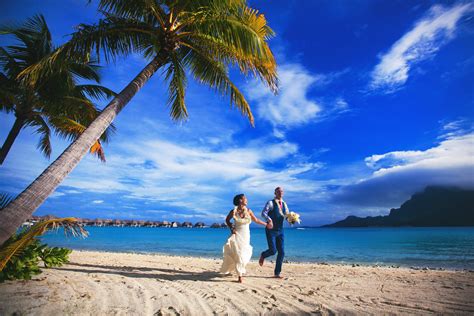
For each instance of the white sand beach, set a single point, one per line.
(100, 283)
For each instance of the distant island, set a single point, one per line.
(435, 206)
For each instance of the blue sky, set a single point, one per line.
(375, 103)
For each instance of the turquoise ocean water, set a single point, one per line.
(443, 247)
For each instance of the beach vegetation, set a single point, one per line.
(56, 103)
(203, 38)
(22, 253)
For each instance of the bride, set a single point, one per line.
(237, 250)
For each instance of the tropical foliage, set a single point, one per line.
(24, 266)
(21, 254)
(204, 38)
(56, 103)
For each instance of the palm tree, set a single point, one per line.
(56, 102)
(201, 37)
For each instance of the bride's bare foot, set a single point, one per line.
(240, 279)
(261, 260)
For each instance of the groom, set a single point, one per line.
(274, 213)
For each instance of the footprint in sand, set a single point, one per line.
(169, 311)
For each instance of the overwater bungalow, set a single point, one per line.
(187, 225)
(98, 222)
(149, 224)
(199, 225)
(117, 223)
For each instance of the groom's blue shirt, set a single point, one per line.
(270, 211)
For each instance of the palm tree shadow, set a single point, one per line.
(143, 272)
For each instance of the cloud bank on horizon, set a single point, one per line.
(334, 148)
(402, 173)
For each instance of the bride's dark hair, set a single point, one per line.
(237, 199)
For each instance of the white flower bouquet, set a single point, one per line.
(293, 218)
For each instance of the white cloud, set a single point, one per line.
(399, 174)
(456, 128)
(323, 80)
(56, 194)
(97, 201)
(266, 181)
(191, 177)
(291, 107)
(452, 153)
(420, 43)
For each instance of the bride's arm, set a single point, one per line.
(255, 219)
(228, 222)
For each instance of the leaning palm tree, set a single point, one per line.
(56, 102)
(200, 37)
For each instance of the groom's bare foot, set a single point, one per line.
(278, 277)
(261, 260)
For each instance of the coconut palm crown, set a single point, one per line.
(204, 38)
(56, 103)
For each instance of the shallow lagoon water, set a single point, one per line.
(440, 247)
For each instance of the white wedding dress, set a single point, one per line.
(237, 250)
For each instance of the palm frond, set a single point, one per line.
(14, 247)
(98, 151)
(70, 129)
(8, 63)
(176, 76)
(75, 107)
(133, 9)
(221, 51)
(88, 71)
(5, 199)
(42, 128)
(215, 6)
(95, 91)
(237, 35)
(35, 36)
(7, 94)
(114, 36)
(214, 74)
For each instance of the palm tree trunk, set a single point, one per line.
(34, 195)
(17, 126)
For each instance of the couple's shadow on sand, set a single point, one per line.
(149, 273)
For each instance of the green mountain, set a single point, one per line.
(435, 206)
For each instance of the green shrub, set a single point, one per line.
(54, 257)
(22, 252)
(25, 265)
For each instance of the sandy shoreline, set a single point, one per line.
(108, 283)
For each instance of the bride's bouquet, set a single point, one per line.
(293, 218)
